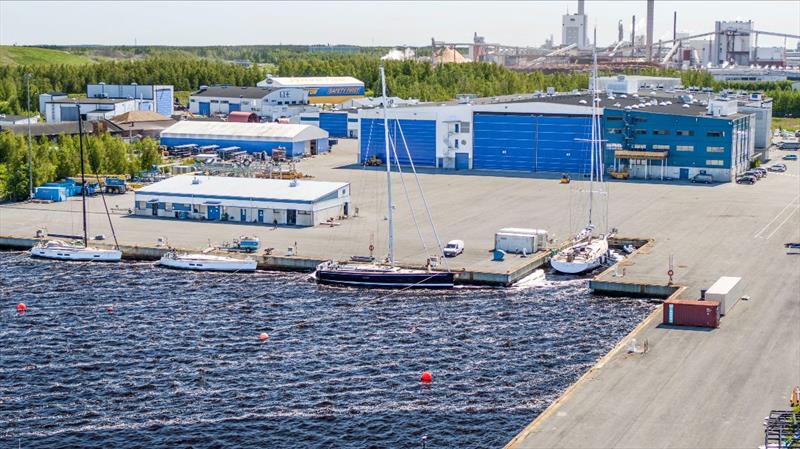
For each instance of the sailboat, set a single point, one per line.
(80, 250)
(587, 252)
(206, 262)
(387, 275)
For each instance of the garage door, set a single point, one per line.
(69, 114)
(531, 143)
(164, 101)
(233, 107)
(204, 108)
(334, 122)
(420, 136)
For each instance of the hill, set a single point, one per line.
(14, 55)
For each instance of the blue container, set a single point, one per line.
(51, 193)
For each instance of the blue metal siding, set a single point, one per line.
(420, 136)
(204, 108)
(164, 102)
(233, 107)
(297, 149)
(252, 146)
(323, 145)
(334, 122)
(526, 142)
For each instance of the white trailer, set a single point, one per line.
(540, 234)
(515, 243)
(727, 290)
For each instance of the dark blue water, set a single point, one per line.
(178, 363)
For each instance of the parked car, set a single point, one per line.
(797, 133)
(790, 157)
(753, 173)
(761, 170)
(780, 168)
(746, 179)
(453, 248)
(703, 178)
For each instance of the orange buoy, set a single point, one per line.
(426, 377)
(21, 307)
(263, 336)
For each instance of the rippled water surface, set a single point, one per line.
(177, 361)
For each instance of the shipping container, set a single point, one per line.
(727, 290)
(515, 243)
(56, 194)
(680, 312)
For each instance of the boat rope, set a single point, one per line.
(422, 194)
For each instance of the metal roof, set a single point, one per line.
(85, 100)
(314, 81)
(54, 129)
(225, 187)
(234, 91)
(244, 131)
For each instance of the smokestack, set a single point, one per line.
(621, 34)
(580, 6)
(674, 27)
(633, 32)
(650, 7)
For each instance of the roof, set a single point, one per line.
(243, 188)
(140, 116)
(302, 81)
(11, 118)
(54, 129)
(245, 131)
(234, 91)
(89, 100)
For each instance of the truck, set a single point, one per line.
(115, 185)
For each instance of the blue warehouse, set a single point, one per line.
(297, 140)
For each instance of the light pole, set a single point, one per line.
(30, 151)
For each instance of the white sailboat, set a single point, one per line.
(387, 275)
(587, 251)
(79, 251)
(206, 262)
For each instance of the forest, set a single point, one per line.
(60, 159)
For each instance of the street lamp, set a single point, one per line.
(30, 151)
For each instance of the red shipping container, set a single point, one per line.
(681, 312)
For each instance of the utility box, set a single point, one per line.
(727, 290)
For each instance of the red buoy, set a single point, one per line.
(263, 336)
(109, 309)
(426, 377)
(21, 307)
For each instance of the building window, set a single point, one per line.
(613, 146)
(640, 131)
(684, 148)
(715, 149)
(639, 119)
(214, 101)
(464, 127)
(615, 118)
(715, 162)
(661, 147)
(614, 131)
(639, 146)
(661, 132)
(715, 134)
(684, 132)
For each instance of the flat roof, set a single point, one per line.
(234, 91)
(85, 100)
(54, 129)
(223, 187)
(314, 80)
(245, 131)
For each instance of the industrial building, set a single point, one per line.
(270, 103)
(630, 84)
(338, 123)
(321, 90)
(648, 134)
(244, 200)
(66, 109)
(297, 140)
(138, 124)
(156, 98)
(8, 119)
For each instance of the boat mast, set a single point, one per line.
(388, 167)
(593, 90)
(83, 177)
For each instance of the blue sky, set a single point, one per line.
(362, 23)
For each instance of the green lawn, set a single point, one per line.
(786, 123)
(13, 55)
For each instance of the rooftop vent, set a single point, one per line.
(617, 104)
(293, 183)
(623, 96)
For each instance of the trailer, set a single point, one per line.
(520, 240)
(727, 290)
(115, 185)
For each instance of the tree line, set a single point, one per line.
(59, 159)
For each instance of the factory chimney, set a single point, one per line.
(580, 6)
(633, 32)
(650, 18)
(621, 34)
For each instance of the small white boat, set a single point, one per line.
(585, 255)
(61, 250)
(206, 262)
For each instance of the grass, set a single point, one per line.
(14, 55)
(786, 123)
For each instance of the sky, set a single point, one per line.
(367, 23)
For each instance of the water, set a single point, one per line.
(178, 363)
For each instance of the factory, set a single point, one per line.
(106, 101)
(297, 140)
(244, 200)
(321, 90)
(342, 121)
(649, 134)
(66, 109)
(156, 98)
(270, 103)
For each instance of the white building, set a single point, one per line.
(270, 103)
(156, 98)
(573, 30)
(321, 89)
(732, 43)
(244, 200)
(630, 84)
(66, 109)
(6, 119)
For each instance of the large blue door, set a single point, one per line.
(462, 161)
(164, 101)
(334, 122)
(420, 136)
(261, 216)
(525, 142)
(213, 212)
(233, 107)
(684, 173)
(242, 214)
(204, 108)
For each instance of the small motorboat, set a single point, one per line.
(61, 250)
(206, 262)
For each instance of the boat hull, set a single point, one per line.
(209, 265)
(575, 267)
(386, 279)
(78, 254)
(597, 252)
